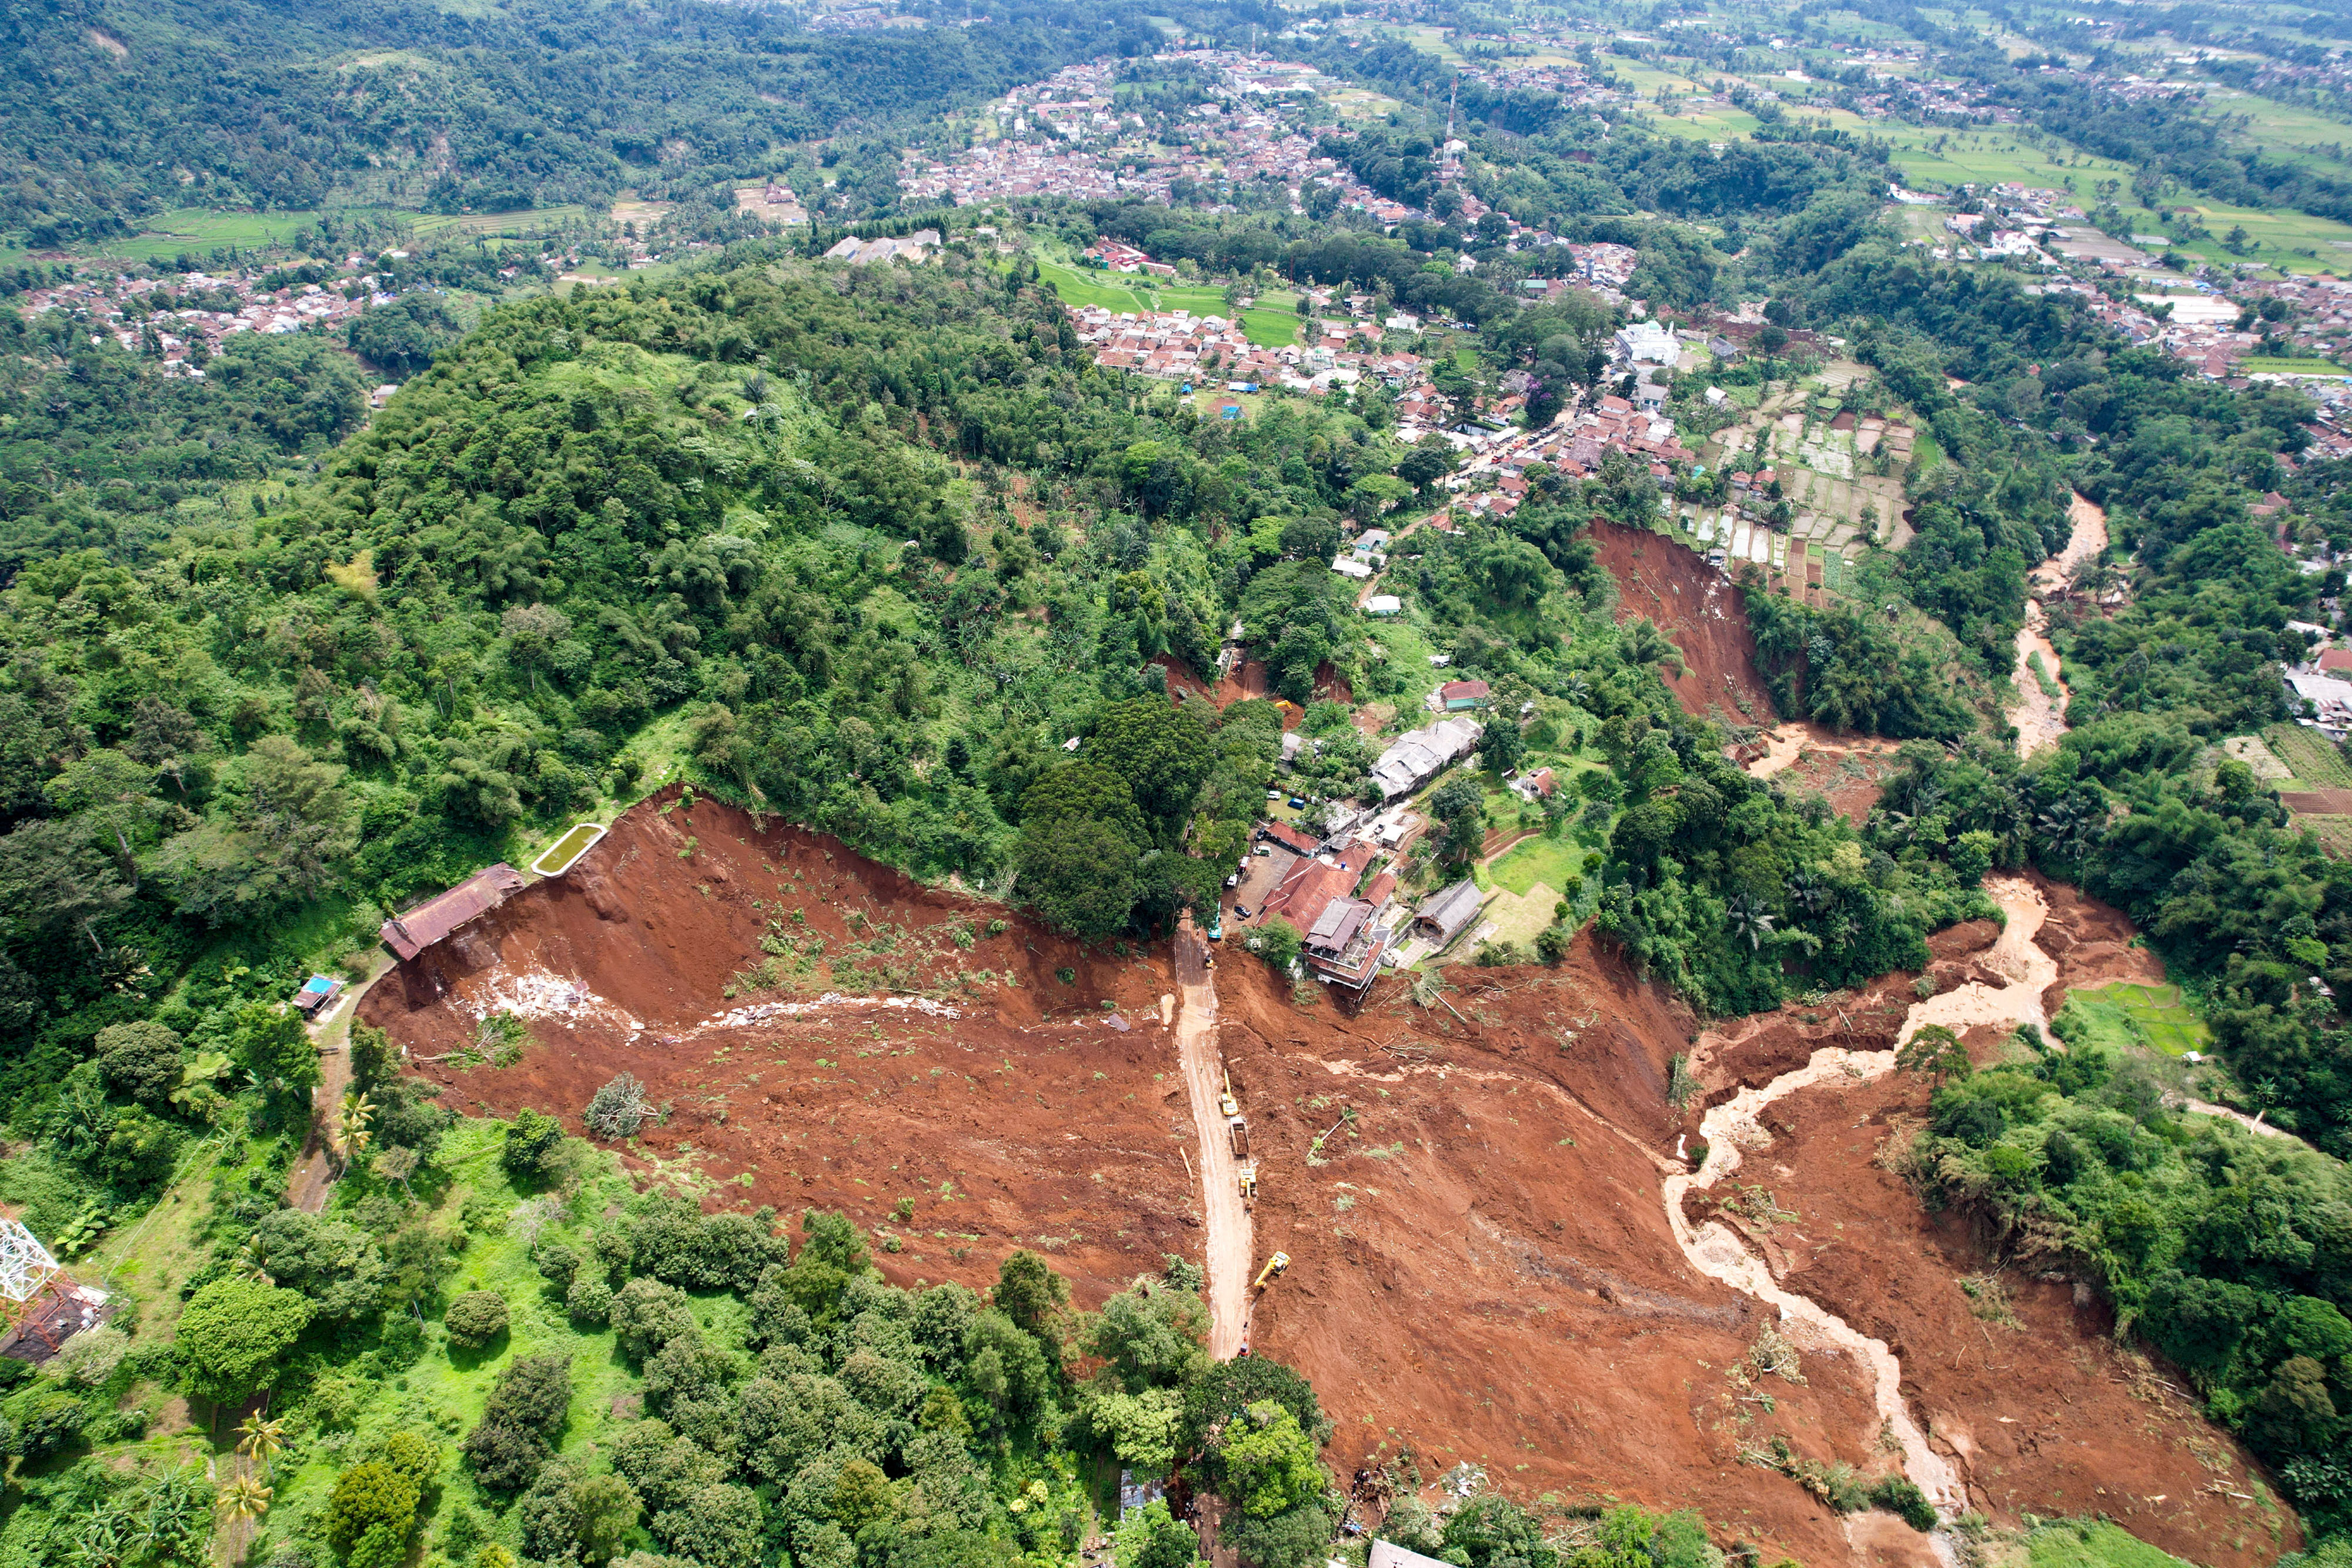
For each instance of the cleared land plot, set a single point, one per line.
(1554, 863)
(2155, 1017)
(199, 230)
(537, 220)
(1270, 324)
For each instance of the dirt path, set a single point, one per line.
(314, 1173)
(1780, 749)
(1227, 1222)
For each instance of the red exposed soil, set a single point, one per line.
(1481, 1264)
(1057, 1130)
(2022, 1385)
(1249, 679)
(2318, 802)
(1806, 758)
(1698, 608)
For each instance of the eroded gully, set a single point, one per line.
(1735, 1127)
(2039, 714)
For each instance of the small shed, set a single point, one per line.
(1457, 695)
(318, 994)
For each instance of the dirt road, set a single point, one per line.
(314, 1173)
(1227, 1222)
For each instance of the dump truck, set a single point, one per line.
(1238, 1130)
(1275, 1266)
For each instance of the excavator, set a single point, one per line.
(1275, 1268)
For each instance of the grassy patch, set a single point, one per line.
(199, 230)
(2122, 1017)
(2093, 1543)
(1554, 864)
(2259, 366)
(1270, 323)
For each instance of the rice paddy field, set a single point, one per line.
(200, 230)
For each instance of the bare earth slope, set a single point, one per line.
(1700, 609)
(1483, 1268)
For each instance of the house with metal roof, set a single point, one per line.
(1421, 755)
(1449, 913)
(413, 930)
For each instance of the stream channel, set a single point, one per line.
(1735, 1126)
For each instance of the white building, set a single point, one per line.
(1646, 342)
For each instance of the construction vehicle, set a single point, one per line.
(1249, 1183)
(1236, 1124)
(1226, 1101)
(1275, 1268)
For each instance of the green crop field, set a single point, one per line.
(2259, 366)
(1269, 324)
(2314, 763)
(533, 220)
(199, 230)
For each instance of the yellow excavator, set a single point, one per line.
(1275, 1268)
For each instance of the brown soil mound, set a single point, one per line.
(1806, 758)
(1698, 608)
(1481, 1265)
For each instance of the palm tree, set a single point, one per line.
(261, 1439)
(244, 1499)
(1747, 919)
(1640, 642)
(356, 1111)
(253, 1262)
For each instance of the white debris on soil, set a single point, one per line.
(763, 1011)
(536, 994)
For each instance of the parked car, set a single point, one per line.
(1235, 880)
(1274, 794)
(1298, 802)
(1262, 850)
(1241, 912)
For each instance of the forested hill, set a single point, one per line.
(110, 110)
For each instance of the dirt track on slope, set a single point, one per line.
(1228, 1223)
(1483, 1268)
